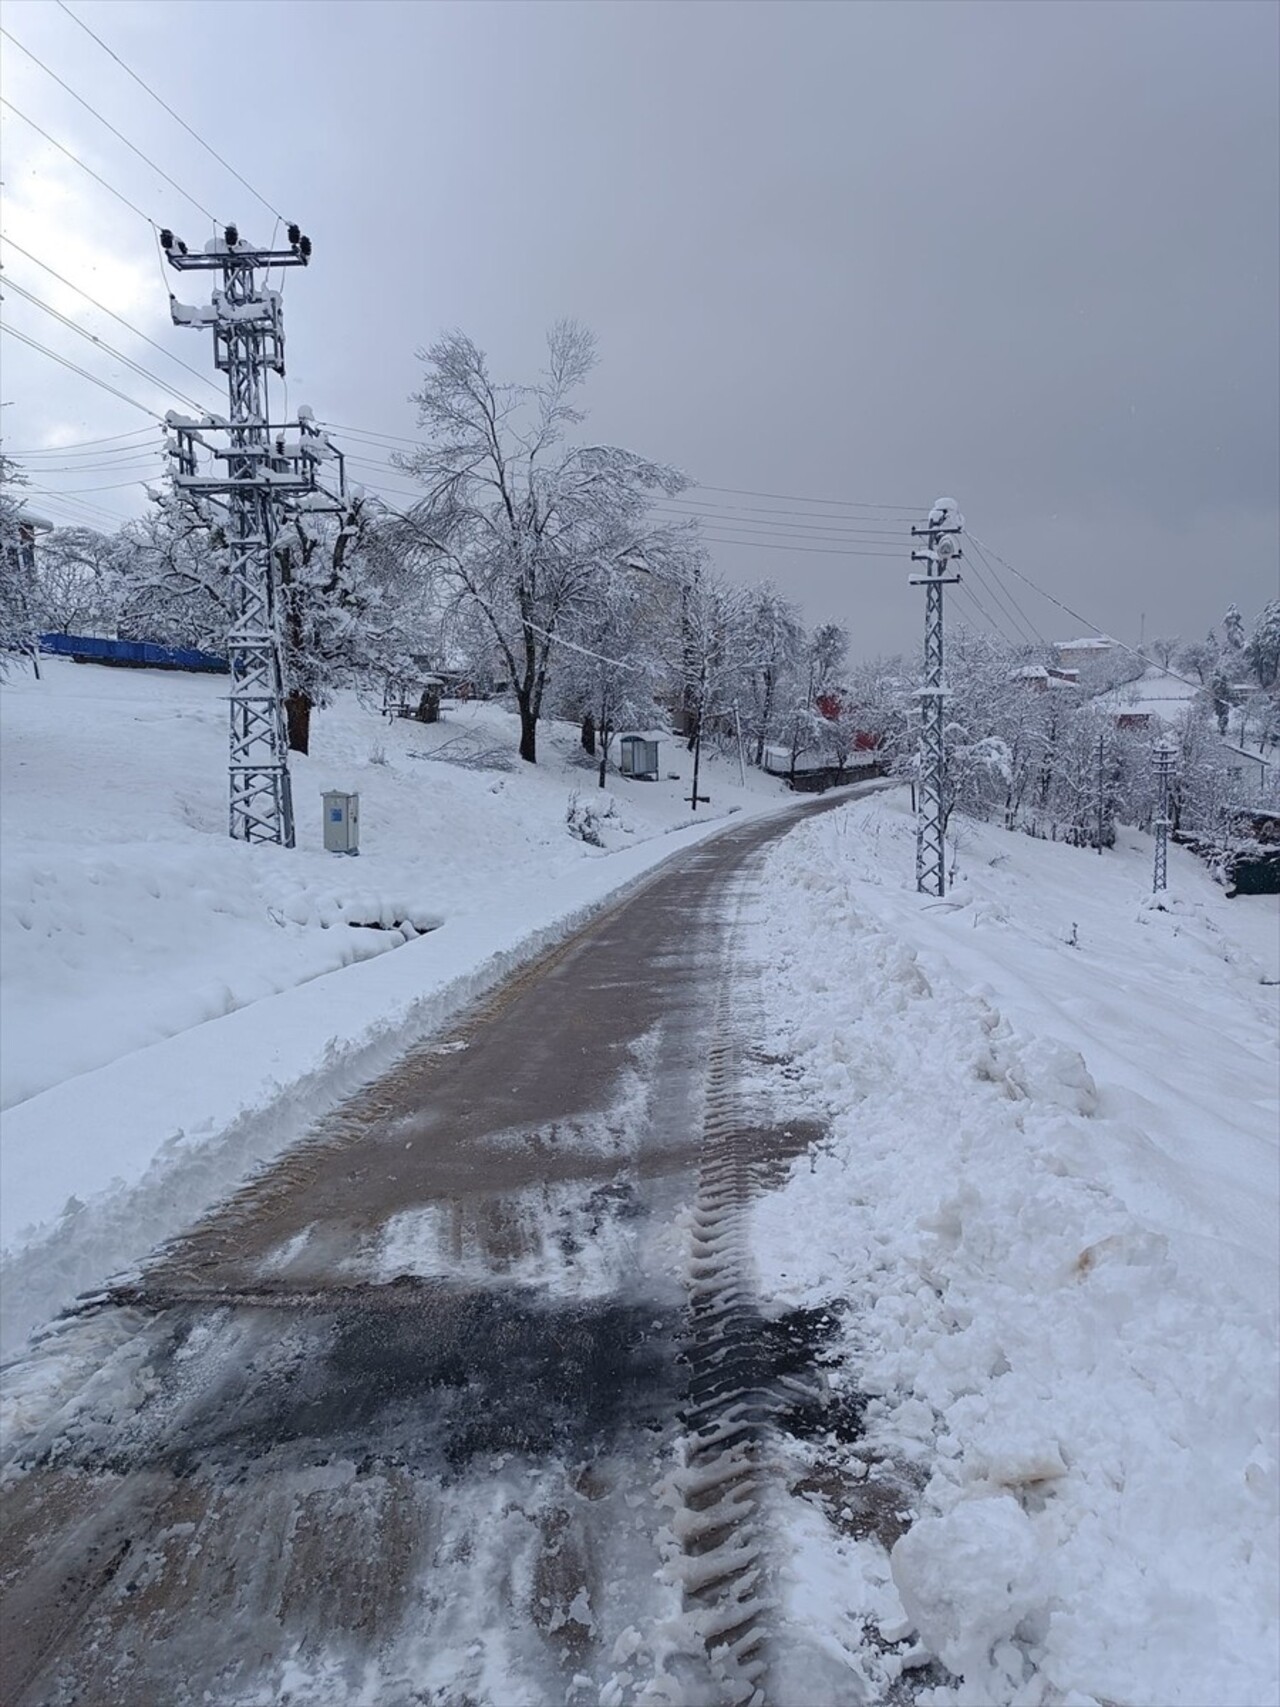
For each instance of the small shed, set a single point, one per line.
(638, 757)
(417, 697)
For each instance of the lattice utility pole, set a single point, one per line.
(1164, 759)
(263, 475)
(944, 524)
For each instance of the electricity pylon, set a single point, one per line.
(944, 525)
(1164, 759)
(249, 474)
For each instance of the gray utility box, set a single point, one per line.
(341, 822)
(638, 758)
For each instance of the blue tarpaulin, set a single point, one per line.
(135, 654)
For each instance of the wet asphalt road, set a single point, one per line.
(387, 1425)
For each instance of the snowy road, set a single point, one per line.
(462, 1400)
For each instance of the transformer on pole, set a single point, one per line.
(944, 525)
(246, 475)
(1164, 759)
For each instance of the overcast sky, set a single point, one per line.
(1024, 254)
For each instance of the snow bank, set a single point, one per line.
(176, 1007)
(1049, 1201)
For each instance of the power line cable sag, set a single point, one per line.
(729, 516)
(1011, 595)
(13, 332)
(102, 308)
(61, 500)
(91, 469)
(829, 530)
(391, 440)
(159, 170)
(77, 161)
(99, 343)
(126, 456)
(177, 117)
(118, 486)
(80, 447)
(796, 498)
(1077, 617)
(781, 548)
(898, 530)
(1025, 636)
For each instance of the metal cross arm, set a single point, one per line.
(231, 250)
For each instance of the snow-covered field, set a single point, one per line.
(1048, 1201)
(176, 1007)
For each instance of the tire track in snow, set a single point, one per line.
(734, 1390)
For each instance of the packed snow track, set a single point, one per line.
(466, 1399)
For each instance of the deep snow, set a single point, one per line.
(1048, 1202)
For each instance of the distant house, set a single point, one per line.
(20, 552)
(1042, 678)
(1089, 657)
(1157, 699)
(1255, 774)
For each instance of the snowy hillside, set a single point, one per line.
(1048, 1208)
(159, 983)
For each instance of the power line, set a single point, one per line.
(832, 530)
(119, 318)
(118, 486)
(128, 456)
(13, 332)
(185, 194)
(796, 498)
(74, 448)
(1077, 617)
(899, 530)
(62, 500)
(100, 343)
(1012, 597)
(364, 433)
(390, 440)
(77, 161)
(967, 592)
(998, 599)
(782, 548)
(141, 81)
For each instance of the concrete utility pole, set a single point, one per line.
(944, 525)
(1164, 759)
(251, 475)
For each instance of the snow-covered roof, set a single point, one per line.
(1087, 643)
(1253, 756)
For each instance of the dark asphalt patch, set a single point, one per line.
(435, 1375)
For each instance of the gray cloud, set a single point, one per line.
(1025, 254)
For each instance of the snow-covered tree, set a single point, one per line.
(171, 565)
(1263, 649)
(611, 668)
(76, 582)
(774, 629)
(17, 569)
(820, 674)
(329, 608)
(519, 523)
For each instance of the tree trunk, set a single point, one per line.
(297, 716)
(606, 735)
(528, 730)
